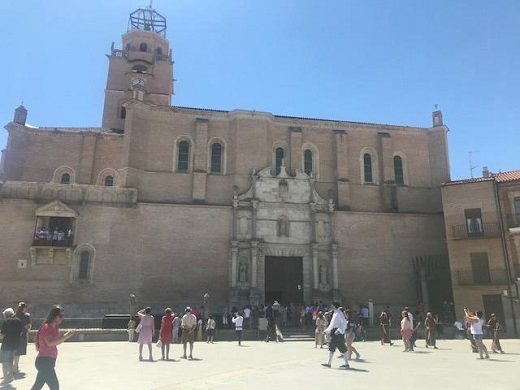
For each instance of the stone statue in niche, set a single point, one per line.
(324, 276)
(242, 273)
(283, 190)
(283, 227)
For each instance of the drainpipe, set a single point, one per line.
(505, 253)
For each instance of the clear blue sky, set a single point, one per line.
(375, 61)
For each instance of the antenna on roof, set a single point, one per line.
(151, 4)
(471, 166)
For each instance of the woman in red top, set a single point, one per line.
(47, 340)
(165, 333)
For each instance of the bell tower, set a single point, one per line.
(142, 69)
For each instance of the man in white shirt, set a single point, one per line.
(188, 325)
(238, 320)
(336, 329)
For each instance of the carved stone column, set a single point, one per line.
(312, 207)
(254, 204)
(335, 279)
(315, 267)
(234, 256)
(254, 264)
(332, 222)
(235, 215)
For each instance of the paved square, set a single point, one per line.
(289, 365)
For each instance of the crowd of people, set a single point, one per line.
(52, 237)
(474, 329)
(335, 327)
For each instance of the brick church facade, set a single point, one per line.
(170, 203)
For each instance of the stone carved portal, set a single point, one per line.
(284, 227)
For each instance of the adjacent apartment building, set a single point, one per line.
(482, 219)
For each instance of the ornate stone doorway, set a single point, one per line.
(283, 279)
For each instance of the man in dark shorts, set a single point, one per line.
(336, 329)
(10, 334)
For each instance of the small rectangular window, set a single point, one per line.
(480, 267)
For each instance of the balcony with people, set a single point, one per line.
(56, 236)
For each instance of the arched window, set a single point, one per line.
(398, 170)
(65, 178)
(307, 162)
(143, 47)
(109, 181)
(367, 168)
(216, 158)
(127, 47)
(84, 265)
(64, 175)
(159, 51)
(123, 113)
(183, 156)
(279, 154)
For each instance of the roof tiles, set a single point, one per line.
(500, 177)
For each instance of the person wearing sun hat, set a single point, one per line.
(188, 325)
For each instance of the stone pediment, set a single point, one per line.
(282, 188)
(56, 209)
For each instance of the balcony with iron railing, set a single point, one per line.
(488, 230)
(495, 276)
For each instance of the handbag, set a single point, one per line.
(159, 343)
(138, 329)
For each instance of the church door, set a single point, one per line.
(283, 280)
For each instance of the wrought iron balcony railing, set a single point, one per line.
(488, 230)
(468, 277)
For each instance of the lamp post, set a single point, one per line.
(206, 306)
(132, 302)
